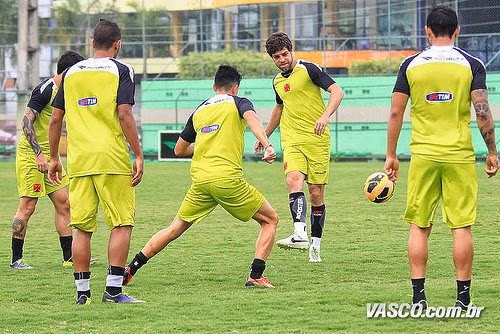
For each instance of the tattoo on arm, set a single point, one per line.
(484, 117)
(18, 228)
(29, 130)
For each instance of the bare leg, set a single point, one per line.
(268, 220)
(463, 252)
(62, 212)
(162, 238)
(418, 250)
(119, 245)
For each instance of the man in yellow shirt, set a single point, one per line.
(441, 82)
(214, 134)
(96, 96)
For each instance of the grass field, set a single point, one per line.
(197, 284)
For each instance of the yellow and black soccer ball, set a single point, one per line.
(378, 188)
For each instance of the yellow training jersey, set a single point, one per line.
(90, 93)
(40, 100)
(439, 81)
(300, 92)
(217, 128)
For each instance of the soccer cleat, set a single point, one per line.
(464, 307)
(261, 281)
(83, 300)
(314, 254)
(127, 276)
(422, 303)
(119, 298)
(20, 264)
(69, 263)
(293, 241)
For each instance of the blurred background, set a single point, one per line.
(175, 47)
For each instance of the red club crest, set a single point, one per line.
(286, 88)
(37, 187)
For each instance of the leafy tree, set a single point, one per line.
(248, 63)
(375, 67)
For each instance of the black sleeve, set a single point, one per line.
(126, 86)
(402, 85)
(41, 95)
(58, 101)
(318, 76)
(243, 104)
(189, 133)
(278, 98)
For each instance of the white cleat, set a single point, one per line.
(293, 241)
(314, 254)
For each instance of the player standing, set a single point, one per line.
(305, 138)
(441, 82)
(214, 134)
(96, 96)
(32, 165)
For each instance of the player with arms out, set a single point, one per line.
(214, 134)
(441, 81)
(305, 138)
(97, 95)
(32, 165)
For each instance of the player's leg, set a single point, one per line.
(268, 220)
(418, 254)
(459, 213)
(60, 200)
(424, 193)
(318, 216)
(318, 170)
(197, 204)
(295, 166)
(83, 211)
(463, 254)
(19, 226)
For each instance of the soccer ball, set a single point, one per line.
(378, 188)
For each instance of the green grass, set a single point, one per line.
(196, 284)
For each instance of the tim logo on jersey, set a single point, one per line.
(87, 101)
(210, 128)
(439, 97)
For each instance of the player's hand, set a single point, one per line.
(55, 172)
(269, 154)
(321, 125)
(491, 165)
(138, 170)
(258, 148)
(41, 163)
(391, 168)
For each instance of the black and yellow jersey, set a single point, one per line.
(217, 128)
(40, 100)
(439, 81)
(90, 93)
(300, 92)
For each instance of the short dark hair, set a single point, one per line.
(68, 59)
(227, 76)
(277, 42)
(442, 21)
(106, 32)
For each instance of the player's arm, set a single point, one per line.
(274, 122)
(255, 125)
(27, 124)
(129, 128)
(394, 125)
(55, 126)
(486, 126)
(336, 96)
(183, 148)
